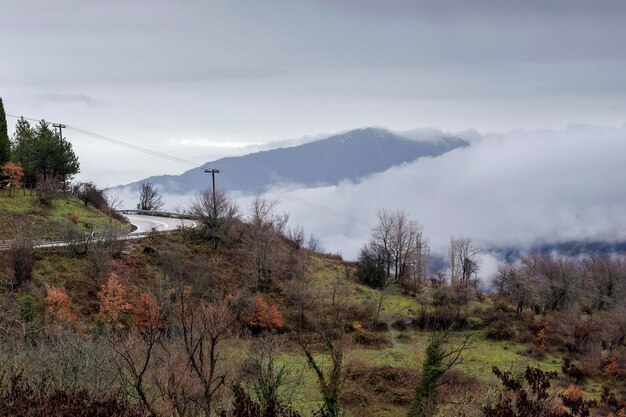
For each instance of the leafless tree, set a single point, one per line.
(204, 326)
(218, 214)
(149, 197)
(273, 382)
(328, 335)
(464, 259)
(21, 255)
(397, 253)
(266, 231)
(136, 351)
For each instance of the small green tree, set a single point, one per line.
(5, 144)
(23, 151)
(27, 309)
(438, 361)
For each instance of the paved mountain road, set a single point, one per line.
(146, 224)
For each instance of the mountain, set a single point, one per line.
(347, 156)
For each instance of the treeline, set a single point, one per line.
(556, 283)
(34, 154)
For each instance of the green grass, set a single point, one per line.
(23, 214)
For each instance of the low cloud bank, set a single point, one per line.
(517, 189)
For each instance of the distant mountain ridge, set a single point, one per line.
(347, 156)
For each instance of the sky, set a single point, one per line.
(200, 79)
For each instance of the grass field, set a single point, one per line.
(23, 215)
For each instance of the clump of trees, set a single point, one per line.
(397, 252)
(43, 154)
(546, 283)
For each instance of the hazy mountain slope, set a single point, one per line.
(350, 155)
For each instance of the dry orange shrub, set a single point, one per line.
(58, 304)
(611, 368)
(266, 317)
(114, 301)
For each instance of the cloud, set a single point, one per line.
(516, 189)
(75, 99)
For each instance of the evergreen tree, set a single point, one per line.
(5, 144)
(425, 397)
(43, 154)
(24, 151)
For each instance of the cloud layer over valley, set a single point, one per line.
(516, 189)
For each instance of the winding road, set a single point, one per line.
(144, 224)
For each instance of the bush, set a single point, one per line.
(20, 399)
(442, 317)
(365, 338)
(570, 369)
(501, 330)
(21, 253)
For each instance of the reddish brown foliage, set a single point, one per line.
(147, 312)
(114, 301)
(265, 317)
(58, 304)
(12, 173)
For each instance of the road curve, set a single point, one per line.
(146, 224)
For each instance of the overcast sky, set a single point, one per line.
(201, 79)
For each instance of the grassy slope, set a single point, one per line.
(23, 214)
(406, 353)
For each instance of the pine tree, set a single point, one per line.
(23, 151)
(5, 144)
(425, 397)
(43, 154)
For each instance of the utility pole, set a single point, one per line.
(61, 126)
(213, 172)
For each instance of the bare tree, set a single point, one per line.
(397, 253)
(218, 214)
(262, 242)
(149, 197)
(21, 254)
(328, 334)
(204, 327)
(273, 382)
(464, 259)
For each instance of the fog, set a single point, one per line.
(520, 188)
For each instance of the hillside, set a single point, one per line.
(22, 215)
(94, 314)
(347, 156)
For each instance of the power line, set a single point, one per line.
(281, 195)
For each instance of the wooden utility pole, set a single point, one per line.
(213, 172)
(61, 126)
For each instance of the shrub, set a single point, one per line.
(570, 369)
(27, 309)
(265, 317)
(21, 253)
(21, 399)
(363, 337)
(442, 317)
(501, 330)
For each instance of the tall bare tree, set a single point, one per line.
(266, 232)
(149, 197)
(464, 259)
